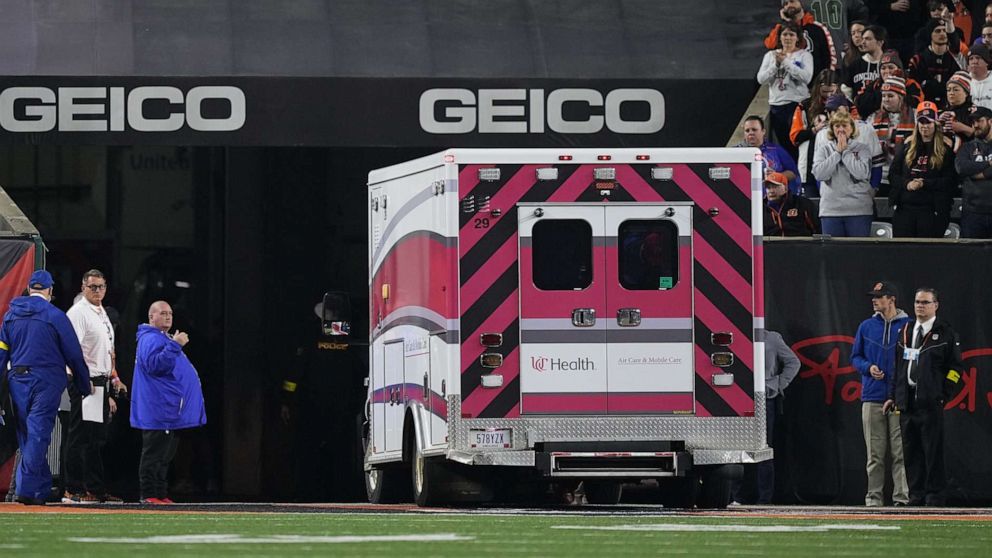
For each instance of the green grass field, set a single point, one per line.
(453, 534)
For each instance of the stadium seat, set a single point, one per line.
(880, 229)
(953, 231)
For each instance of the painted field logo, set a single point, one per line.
(547, 364)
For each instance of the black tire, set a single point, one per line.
(387, 486)
(680, 492)
(425, 473)
(603, 492)
(717, 485)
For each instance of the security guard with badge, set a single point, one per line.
(928, 369)
(321, 399)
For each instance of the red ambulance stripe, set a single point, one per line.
(635, 185)
(649, 402)
(733, 395)
(730, 279)
(507, 197)
(468, 179)
(572, 188)
(705, 198)
(498, 263)
(497, 322)
(740, 175)
(564, 403)
(701, 411)
(419, 289)
(715, 320)
(481, 397)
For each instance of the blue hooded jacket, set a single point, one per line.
(166, 393)
(875, 343)
(39, 335)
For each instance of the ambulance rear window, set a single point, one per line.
(562, 250)
(648, 254)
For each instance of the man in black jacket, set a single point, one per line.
(974, 166)
(928, 367)
(787, 214)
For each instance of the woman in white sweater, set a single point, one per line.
(843, 167)
(787, 70)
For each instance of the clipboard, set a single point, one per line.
(93, 406)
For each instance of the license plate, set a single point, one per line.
(491, 438)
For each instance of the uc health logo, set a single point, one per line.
(549, 364)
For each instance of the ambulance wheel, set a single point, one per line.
(680, 492)
(426, 482)
(603, 492)
(717, 484)
(386, 486)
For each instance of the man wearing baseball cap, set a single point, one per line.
(38, 342)
(974, 166)
(874, 356)
(787, 214)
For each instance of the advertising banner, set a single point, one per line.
(371, 112)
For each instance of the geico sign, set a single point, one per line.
(522, 111)
(101, 109)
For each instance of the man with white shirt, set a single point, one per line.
(979, 60)
(928, 368)
(87, 435)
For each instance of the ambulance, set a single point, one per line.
(551, 317)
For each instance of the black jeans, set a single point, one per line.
(158, 447)
(84, 446)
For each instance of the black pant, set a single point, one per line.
(158, 447)
(917, 222)
(923, 452)
(766, 469)
(84, 446)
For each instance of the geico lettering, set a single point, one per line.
(101, 109)
(521, 111)
(39, 117)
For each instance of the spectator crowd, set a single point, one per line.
(876, 99)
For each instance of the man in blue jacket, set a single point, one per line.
(874, 355)
(165, 397)
(38, 341)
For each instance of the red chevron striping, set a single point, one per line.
(705, 198)
(572, 188)
(481, 397)
(497, 322)
(715, 320)
(468, 179)
(740, 176)
(739, 401)
(718, 267)
(495, 266)
(505, 198)
(635, 185)
(700, 410)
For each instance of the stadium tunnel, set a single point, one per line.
(215, 154)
